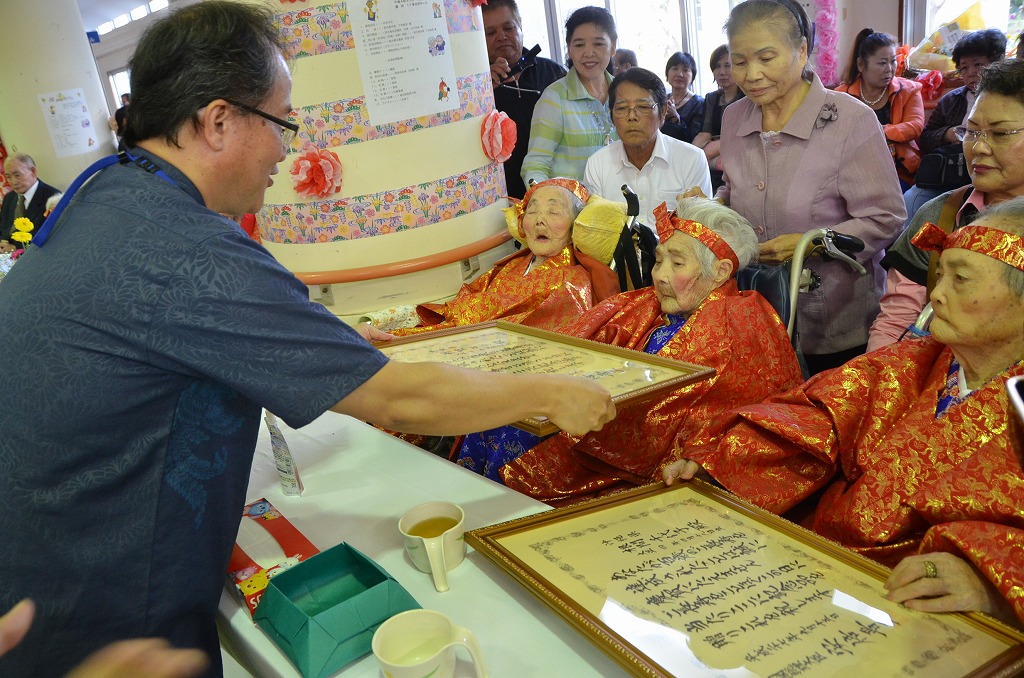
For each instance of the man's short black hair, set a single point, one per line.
(215, 49)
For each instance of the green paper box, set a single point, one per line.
(323, 612)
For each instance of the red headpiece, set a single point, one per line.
(668, 223)
(1006, 247)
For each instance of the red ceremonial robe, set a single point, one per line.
(737, 333)
(549, 296)
(899, 481)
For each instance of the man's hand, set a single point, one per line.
(15, 624)
(141, 658)
(371, 333)
(583, 406)
(499, 71)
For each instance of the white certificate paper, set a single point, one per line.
(405, 58)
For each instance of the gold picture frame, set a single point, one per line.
(498, 346)
(691, 580)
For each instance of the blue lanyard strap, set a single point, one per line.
(43, 234)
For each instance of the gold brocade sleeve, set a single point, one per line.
(549, 296)
(736, 333)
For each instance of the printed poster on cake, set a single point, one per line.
(68, 121)
(405, 58)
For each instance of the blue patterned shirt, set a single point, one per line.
(140, 344)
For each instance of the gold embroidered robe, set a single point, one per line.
(897, 480)
(549, 296)
(737, 333)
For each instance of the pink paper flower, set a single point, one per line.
(316, 172)
(477, 3)
(498, 136)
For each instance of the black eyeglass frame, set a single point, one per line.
(291, 130)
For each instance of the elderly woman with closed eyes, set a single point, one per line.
(547, 283)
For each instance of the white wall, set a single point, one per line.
(854, 15)
(44, 49)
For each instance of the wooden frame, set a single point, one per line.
(691, 580)
(499, 346)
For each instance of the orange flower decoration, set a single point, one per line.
(498, 136)
(316, 172)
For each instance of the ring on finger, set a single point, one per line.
(930, 571)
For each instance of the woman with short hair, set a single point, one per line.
(799, 157)
(714, 107)
(686, 109)
(994, 153)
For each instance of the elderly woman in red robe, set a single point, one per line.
(546, 284)
(909, 455)
(693, 312)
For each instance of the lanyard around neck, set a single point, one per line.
(123, 158)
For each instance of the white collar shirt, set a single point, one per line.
(674, 167)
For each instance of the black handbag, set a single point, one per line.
(944, 169)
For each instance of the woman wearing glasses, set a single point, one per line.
(993, 140)
(655, 166)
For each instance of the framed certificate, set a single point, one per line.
(690, 580)
(505, 347)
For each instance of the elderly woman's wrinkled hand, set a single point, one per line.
(780, 249)
(582, 406)
(684, 469)
(941, 582)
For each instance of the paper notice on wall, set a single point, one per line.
(405, 58)
(68, 120)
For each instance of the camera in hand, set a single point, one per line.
(523, 62)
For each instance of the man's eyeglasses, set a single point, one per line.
(288, 129)
(622, 111)
(993, 137)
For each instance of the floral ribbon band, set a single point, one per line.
(668, 223)
(1006, 247)
(390, 211)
